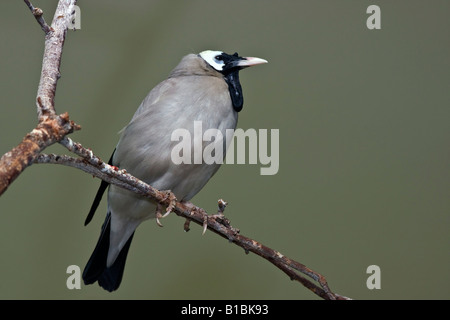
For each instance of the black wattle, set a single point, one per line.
(234, 86)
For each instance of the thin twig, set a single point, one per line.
(37, 13)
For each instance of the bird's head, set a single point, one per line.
(226, 63)
(229, 65)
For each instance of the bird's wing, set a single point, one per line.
(145, 146)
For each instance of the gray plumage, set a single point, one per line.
(196, 90)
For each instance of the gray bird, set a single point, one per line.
(203, 87)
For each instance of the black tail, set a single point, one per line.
(99, 195)
(96, 270)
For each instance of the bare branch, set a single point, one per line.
(37, 13)
(54, 42)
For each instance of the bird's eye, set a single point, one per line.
(218, 58)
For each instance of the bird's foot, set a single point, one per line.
(160, 207)
(172, 202)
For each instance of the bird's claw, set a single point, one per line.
(205, 224)
(158, 214)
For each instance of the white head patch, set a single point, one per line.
(213, 59)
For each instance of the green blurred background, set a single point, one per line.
(364, 147)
